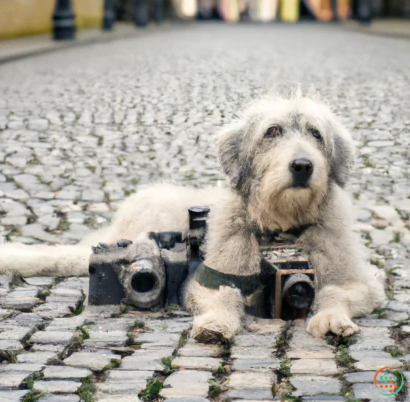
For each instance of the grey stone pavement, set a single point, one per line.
(80, 129)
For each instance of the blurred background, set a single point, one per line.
(63, 17)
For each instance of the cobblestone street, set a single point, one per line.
(82, 128)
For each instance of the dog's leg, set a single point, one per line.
(43, 260)
(347, 286)
(218, 313)
(232, 248)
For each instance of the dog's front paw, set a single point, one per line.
(334, 321)
(209, 328)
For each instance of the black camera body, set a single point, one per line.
(152, 272)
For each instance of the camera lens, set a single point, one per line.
(300, 295)
(143, 282)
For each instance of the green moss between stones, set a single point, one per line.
(152, 389)
(87, 390)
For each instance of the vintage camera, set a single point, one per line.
(152, 271)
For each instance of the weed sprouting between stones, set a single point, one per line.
(130, 340)
(226, 348)
(115, 363)
(169, 367)
(137, 327)
(389, 290)
(367, 163)
(284, 372)
(8, 356)
(286, 390)
(339, 341)
(183, 339)
(285, 365)
(221, 369)
(140, 325)
(214, 388)
(396, 238)
(403, 320)
(87, 389)
(29, 383)
(393, 350)
(78, 311)
(283, 341)
(343, 359)
(403, 393)
(152, 389)
(43, 294)
(84, 331)
(77, 341)
(391, 271)
(73, 346)
(217, 385)
(381, 312)
(33, 396)
(55, 362)
(171, 308)
(379, 263)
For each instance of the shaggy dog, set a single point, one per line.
(287, 160)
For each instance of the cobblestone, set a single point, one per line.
(186, 384)
(63, 372)
(311, 386)
(36, 358)
(59, 398)
(93, 361)
(13, 396)
(319, 367)
(56, 386)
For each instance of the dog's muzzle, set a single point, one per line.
(301, 170)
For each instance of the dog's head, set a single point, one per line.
(282, 156)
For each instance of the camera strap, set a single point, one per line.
(212, 279)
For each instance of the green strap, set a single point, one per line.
(213, 279)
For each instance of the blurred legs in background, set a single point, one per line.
(263, 10)
(335, 11)
(229, 10)
(206, 9)
(186, 8)
(364, 11)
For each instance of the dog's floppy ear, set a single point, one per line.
(229, 152)
(343, 156)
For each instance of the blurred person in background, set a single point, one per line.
(206, 9)
(234, 10)
(186, 8)
(263, 10)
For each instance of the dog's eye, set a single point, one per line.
(273, 131)
(316, 133)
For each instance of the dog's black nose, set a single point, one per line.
(301, 170)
